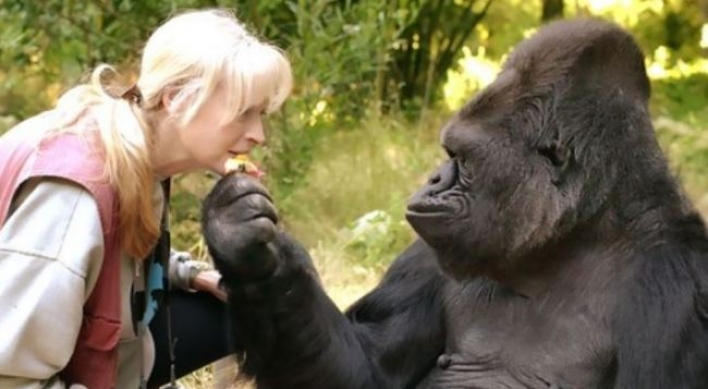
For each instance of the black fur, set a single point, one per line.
(556, 251)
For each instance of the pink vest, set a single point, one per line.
(26, 153)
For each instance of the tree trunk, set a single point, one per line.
(431, 42)
(552, 9)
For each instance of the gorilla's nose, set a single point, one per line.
(443, 179)
(431, 197)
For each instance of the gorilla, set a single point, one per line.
(556, 249)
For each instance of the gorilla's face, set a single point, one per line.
(545, 147)
(497, 195)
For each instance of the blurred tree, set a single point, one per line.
(704, 8)
(551, 9)
(429, 42)
(53, 43)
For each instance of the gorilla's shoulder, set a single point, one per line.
(674, 265)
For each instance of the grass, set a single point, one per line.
(358, 187)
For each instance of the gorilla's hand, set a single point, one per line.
(239, 225)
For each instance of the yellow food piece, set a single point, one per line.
(241, 164)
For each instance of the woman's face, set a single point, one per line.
(210, 142)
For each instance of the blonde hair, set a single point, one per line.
(191, 55)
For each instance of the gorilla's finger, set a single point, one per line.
(259, 261)
(253, 206)
(247, 184)
(256, 231)
(237, 185)
(238, 236)
(237, 240)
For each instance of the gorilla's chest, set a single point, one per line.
(498, 340)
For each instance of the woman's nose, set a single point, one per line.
(256, 133)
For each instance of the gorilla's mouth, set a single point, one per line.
(446, 204)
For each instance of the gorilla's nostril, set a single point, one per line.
(434, 179)
(444, 361)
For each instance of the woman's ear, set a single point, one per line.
(170, 101)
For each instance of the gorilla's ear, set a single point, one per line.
(611, 61)
(559, 156)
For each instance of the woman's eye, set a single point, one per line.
(245, 116)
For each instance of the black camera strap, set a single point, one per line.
(163, 251)
(161, 255)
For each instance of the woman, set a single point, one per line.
(81, 202)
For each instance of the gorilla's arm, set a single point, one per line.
(405, 314)
(287, 333)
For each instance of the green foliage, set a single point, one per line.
(375, 237)
(50, 45)
(332, 90)
(680, 105)
(378, 55)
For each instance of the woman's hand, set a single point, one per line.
(208, 281)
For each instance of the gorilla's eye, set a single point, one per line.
(451, 154)
(554, 154)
